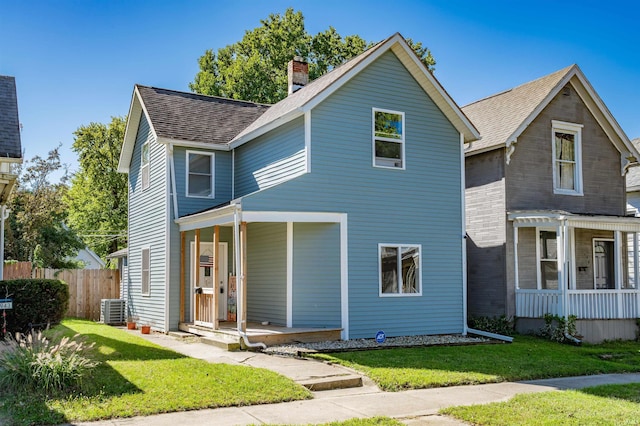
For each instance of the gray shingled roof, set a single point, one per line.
(197, 118)
(633, 175)
(9, 123)
(301, 97)
(499, 116)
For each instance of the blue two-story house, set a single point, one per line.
(340, 208)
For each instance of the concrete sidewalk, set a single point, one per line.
(414, 407)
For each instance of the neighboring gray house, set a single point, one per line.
(339, 208)
(633, 186)
(10, 150)
(546, 209)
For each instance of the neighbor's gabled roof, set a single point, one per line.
(10, 146)
(170, 123)
(633, 175)
(503, 117)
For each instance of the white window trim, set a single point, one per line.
(145, 167)
(399, 294)
(142, 250)
(539, 257)
(575, 129)
(399, 141)
(213, 174)
(593, 260)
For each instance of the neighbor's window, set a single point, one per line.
(399, 269)
(144, 164)
(146, 266)
(199, 174)
(548, 250)
(567, 164)
(388, 138)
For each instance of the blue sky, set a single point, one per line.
(76, 62)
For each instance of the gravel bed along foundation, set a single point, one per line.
(300, 349)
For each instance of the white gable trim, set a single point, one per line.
(136, 110)
(416, 68)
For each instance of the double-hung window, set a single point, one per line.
(144, 165)
(400, 266)
(388, 139)
(548, 258)
(567, 158)
(200, 174)
(145, 271)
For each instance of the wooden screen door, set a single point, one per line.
(203, 309)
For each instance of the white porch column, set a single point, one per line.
(289, 274)
(515, 258)
(617, 259)
(560, 264)
(4, 215)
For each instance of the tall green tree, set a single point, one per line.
(97, 199)
(36, 228)
(255, 68)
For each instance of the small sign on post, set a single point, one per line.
(381, 337)
(6, 303)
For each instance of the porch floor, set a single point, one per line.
(269, 334)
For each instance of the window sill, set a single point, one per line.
(400, 294)
(565, 192)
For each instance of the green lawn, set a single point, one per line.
(600, 405)
(526, 358)
(137, 377)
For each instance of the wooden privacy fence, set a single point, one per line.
(87, 287)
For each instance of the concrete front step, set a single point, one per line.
(331, 383)
(226, 344)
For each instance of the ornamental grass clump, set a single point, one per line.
(32, 362)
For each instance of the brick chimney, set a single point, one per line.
(298, 73)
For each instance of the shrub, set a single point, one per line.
(32, 362)
(36, 303)
(557, 329)
(499, 325)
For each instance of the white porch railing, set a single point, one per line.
(536, 303)
(584, 304)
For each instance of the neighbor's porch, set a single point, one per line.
(566, 264)
(237, 275)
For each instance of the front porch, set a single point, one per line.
(227, 336)
(567, 264)
(240, 280)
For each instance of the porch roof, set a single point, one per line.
(225, 216)
(532, 218)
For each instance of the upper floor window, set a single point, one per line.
(399, 269)
(144, 165)
(199, 174)
(567, 158)
(388, 138)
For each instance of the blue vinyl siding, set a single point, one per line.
(270, 160)
(222, 181)
(267, 272)
(147, 228)
(419, 205)
(316, 275)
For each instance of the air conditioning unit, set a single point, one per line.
(112, 311)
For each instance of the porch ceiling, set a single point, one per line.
(533, 218)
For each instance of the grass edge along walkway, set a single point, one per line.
(616, 404)
(527, 358)
(137, 377)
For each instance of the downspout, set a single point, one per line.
(240, 281)
(466, 330)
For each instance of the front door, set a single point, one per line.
(204, 288)
(603, 260)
